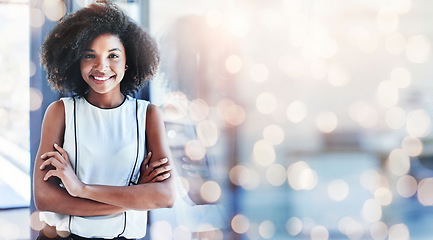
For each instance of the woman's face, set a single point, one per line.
(103, 64)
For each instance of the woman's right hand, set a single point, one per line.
(60, 161)
(156, 171)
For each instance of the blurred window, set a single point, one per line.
(14, 104)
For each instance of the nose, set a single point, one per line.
(101, 64)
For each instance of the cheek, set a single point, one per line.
(85, 68)
(119, 67)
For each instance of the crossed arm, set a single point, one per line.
(154, 189)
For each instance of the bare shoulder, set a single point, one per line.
(56, 108)
(154, 115)
(55, 115)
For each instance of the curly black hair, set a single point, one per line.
(63, 47)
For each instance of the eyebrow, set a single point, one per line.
(111, 50)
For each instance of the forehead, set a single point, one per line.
(106, 42)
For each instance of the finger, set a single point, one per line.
(146, 160)
(161, 178)
(158, 163)
(61, 151)
(49, 174)
(51, 161)
(52, 154)
(160, 170)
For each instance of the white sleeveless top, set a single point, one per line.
(107, 147)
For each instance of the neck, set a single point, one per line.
(106, 100)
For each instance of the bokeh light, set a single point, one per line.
(418, 49)
(35, 223)
(308, 225)
(253, 182)
(161, 230)
(253, 231)
(383, 196)
(210, 191)
(412, 146)
(233, 64)
(379, 231)
(182, 233)
(198, 110)
(399, 232)
(175, 105)
(418, 123)
(364, 114)
(398, 162)
(361, 35)
(54, 9)
(319, 233)
(239, 175)
(195, 150)
(230, 112)
(351, 227)
(371, 210)
(245, 177)
(36, 99)
(216, 234)
(240, 224)
(338, 190)
(267, 229)
(387, 20)
(387, 94)
(327, 122)
(395, 118)
(37, 18)
(276, 175)
(266, 103)
(301, 176)
(425, 195)
(296, 111)
(264, 153)
(372, 179)
(273, 134)
(294, 226)
(406, 186)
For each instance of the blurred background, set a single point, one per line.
(287, 119)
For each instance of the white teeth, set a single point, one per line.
(101, 78)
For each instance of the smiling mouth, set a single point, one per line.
(101, 79)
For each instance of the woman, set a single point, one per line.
(103, 159)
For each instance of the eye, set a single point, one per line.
(113, 56)
(88, 56)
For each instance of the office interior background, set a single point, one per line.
(287, 119)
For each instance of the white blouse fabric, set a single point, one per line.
(103, 150)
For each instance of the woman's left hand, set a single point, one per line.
(60, 161)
